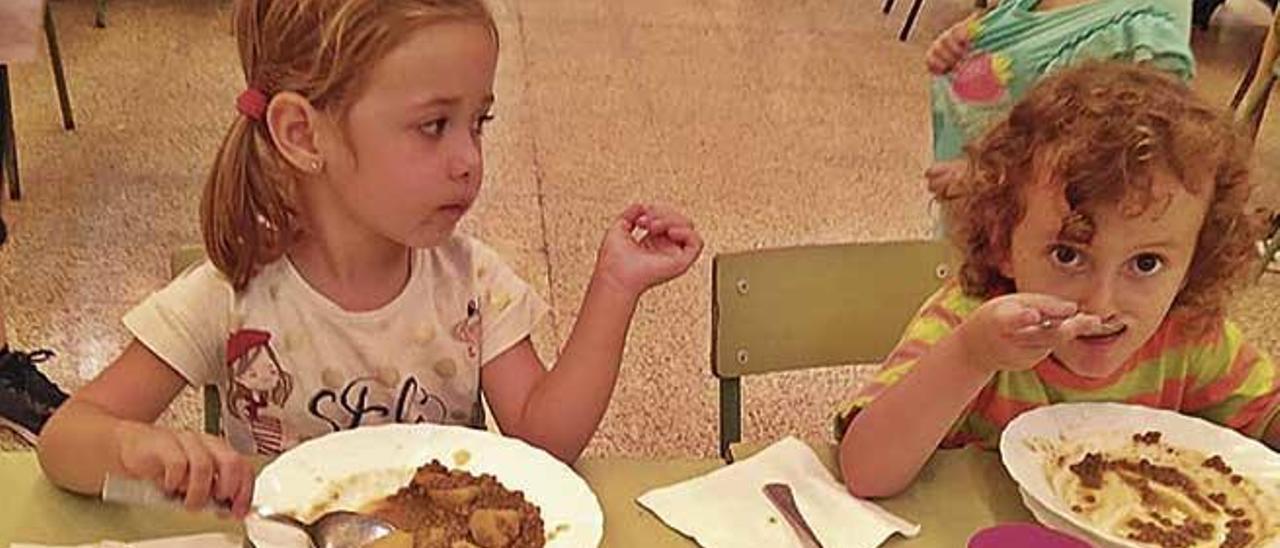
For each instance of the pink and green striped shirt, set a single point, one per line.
(1215, 375)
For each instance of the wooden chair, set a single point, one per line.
(820, 306)
(8, 136)
(1250, 105)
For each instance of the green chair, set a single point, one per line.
(182, 260)
(820, 306)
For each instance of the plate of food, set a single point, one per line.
(1127, 475)
(439, 485)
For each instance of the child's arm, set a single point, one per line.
(560, 409)
(107, 427)
(891, 439)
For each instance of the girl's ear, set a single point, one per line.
(294, 123)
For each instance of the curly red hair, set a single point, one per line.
(1103, 129)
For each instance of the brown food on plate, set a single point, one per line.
(1150, 492)
(445, 508)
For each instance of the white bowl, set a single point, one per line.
(1113, 423)
(348, 470)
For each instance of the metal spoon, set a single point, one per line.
(782, 498)
(336, 529)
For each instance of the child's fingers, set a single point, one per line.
(663, 216)
(1080, 324)
(689, 241)
(941, 59)
(629, 218)
(957, 45)
(244, 496)
(1048, 306)
(934, 61)
(1053, 334)
(175, 467)
(1011, 315)
(632, 213)
(200, 468)
(230, 468)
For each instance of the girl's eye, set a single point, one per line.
(1147, 264)
(1066, 256)
(435, 128)
(482, 121)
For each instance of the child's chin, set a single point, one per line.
(1090, 367)
(428, 240)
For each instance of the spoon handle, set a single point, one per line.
(782, 498)
(136, 492)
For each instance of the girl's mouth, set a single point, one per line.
(1107, 335)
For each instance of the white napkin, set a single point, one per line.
(207, 540)
(727, 508)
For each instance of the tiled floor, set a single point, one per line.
(771, 123)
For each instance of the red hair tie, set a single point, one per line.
(252, 103)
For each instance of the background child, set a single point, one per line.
(987, 62)
(1103, 227)
(337, 294)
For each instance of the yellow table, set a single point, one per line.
(958, 493)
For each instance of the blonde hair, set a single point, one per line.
(323, 50)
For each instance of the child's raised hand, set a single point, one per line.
(647, 245)
(949, 48)
(194, 466)
(1015, 332)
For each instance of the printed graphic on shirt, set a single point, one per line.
(468, 330)
(258, 388)
(364, 401)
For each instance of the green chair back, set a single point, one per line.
(815, 306)
(180, 261)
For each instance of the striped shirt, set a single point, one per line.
(1213, 374)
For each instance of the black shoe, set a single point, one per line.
(27, 397)
(18, 371)
(20, 413)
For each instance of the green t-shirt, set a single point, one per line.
(1013, 46)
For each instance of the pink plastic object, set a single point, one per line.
(1022, 535)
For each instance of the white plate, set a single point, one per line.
(1076, 420)
(349, 469)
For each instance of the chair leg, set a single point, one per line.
(100, 14)
(1258, 110)
(1249, 75)
(730, 416)
(888, 6)
(911, 20)
(8, 143)
(59, 77)
(1271, 247)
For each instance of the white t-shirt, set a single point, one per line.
(290, 365)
